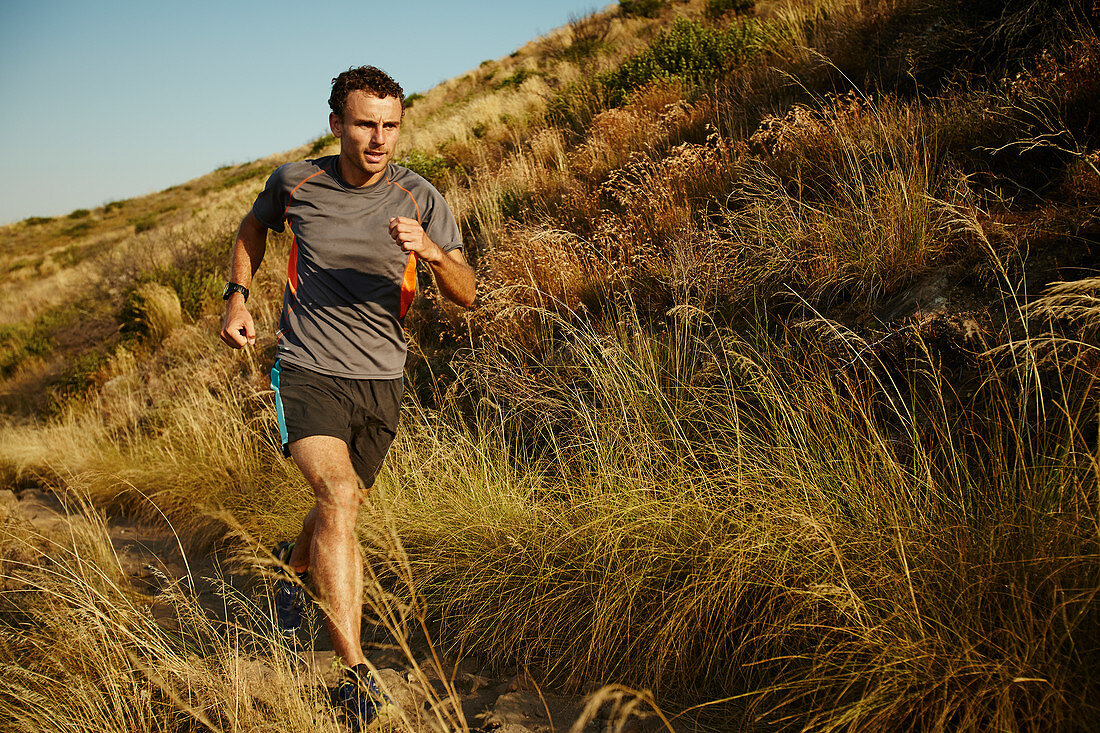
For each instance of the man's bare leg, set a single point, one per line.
(335, 561)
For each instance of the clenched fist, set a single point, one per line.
(410, 236)
(238, 328)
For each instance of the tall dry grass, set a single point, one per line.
(714, 515)
(719, 515)
(854, 197)
(82, 651)
(617, 481)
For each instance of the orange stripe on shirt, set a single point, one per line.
(292, 268)
(295, 190)
(408, 281)
(418, 221)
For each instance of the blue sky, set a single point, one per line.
(106, 100)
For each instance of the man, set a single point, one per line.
(360, 224)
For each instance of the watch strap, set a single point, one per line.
(231, 288)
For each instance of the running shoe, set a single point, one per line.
(289, 595)
(360, 697)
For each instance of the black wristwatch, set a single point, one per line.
(231, 288)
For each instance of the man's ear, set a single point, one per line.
(334, 124)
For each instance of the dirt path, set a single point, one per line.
(154, 559)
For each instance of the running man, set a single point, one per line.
(360, 225)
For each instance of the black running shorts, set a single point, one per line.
(361, 412)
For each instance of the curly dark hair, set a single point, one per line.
(365, 79)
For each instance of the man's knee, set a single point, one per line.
(338, 502)
(337, 505)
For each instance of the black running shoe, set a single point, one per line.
(289, 595)
(360, 697)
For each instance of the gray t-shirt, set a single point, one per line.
(343, 304)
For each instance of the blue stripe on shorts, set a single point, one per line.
(279, 407)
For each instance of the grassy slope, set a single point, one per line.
(758, 400)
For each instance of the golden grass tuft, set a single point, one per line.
(157, 310)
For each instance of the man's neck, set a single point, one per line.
(354, 177)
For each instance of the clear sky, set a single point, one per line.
(104, 99)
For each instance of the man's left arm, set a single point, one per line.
(454, 277)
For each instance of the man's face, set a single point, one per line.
(368, 134)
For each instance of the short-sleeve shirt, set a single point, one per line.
(342, 308)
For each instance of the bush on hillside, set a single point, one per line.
(929, 43)
(641, 8)
(690, 51)
(433, 167)
(587, 36)
(19, 341)
(245, 173)
(82, 227)
(515, 80)
(143, 223)
(323, 142)
(718, 8)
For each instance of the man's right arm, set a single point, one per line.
(238, 328)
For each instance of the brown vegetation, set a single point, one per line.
(779, 395)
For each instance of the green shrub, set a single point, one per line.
(77, 252)
(582, 49)
(36, 220)
(196, 284)
(515, 79)
(77, 229)
(588, 36)
(18, 264)
(19, 341)
(79, 214)
(412, 99)
(79, 371)
(689, 51)
(143, 223)
(246, 173)
(574, 107)
(197, 289)
(479, 129)
(196, 279)
(112, 206)
(321, 143)
(432, 167)
(718, 8)
(641, 8)
(71, 255)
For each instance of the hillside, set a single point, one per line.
(777, 400)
